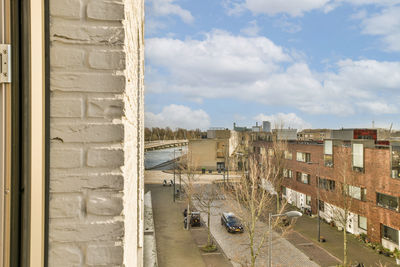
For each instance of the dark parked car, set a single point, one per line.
(231, 223)
(194, 218)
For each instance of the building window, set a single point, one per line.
(386, 201)
(358, 157)
(220, 166)
(362, 222)
(328, 153)
(288, 155)
(284, 190)
(270, 152)
(303, 157)
(308, 200)
(326, 184)
(303, 177)
(357, 192)
(390, 234)
(321, 206)
(287, 173)
(395, 161)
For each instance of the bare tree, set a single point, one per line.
(277, 153)
(205, 195)
(188, 169)
(251, 202)
(345, 193)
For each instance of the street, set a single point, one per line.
(236, 248)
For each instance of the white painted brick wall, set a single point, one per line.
(105, 108)
(96, 131)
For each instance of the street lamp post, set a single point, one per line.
(289, 214)
(318, 216)
(180, 149)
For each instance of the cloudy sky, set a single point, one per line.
(310, 63)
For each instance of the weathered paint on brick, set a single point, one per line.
(96, 128)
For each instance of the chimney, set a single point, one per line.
(256, 123)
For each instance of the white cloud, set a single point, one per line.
(168, 7)
(252, 29)
(273, 7)
(254, 69)
(385, 24)
(287, 26)
(296, 8)
(378, 107)
(284, 119)
(175, 116)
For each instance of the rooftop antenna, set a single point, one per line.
(373, 124)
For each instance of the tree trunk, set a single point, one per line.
(277, 203)
(208, 227)
(344, 247)
(253, 256)
(188, 217)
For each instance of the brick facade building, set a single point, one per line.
(372, 176)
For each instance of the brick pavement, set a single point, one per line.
(357, 252)
(235, 246)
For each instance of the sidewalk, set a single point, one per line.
(357, 252)
(176, 246)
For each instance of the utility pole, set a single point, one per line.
(174, 173)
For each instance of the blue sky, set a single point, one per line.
(308, 63)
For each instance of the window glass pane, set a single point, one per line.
(288, 155)
(300, 156)
(390, 234)
(305, 178)
(308, 200)
(395, 161)
(358, 155)
(328, 160)
(328, 147)
(355, 192)
(387, 201)
(321, 205)
(362, 222)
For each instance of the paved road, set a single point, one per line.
(157, 177)
(236, 248)
(177, 247)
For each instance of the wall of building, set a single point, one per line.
(96, 110)
(204, 152)
(375, 178)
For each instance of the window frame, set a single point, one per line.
(396, 241)
(395, 171)
(355, 165)
(306, 157)
(321, 205)
(366, 223)
(386, 206)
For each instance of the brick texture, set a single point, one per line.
(375, 178)
(96, 131)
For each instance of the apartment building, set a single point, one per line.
(371, 172)
(314, 134)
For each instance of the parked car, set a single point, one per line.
(231, 223)
(194, 219)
